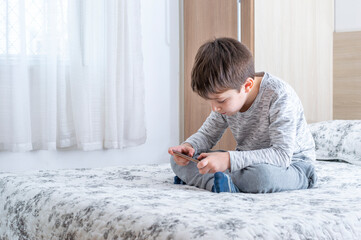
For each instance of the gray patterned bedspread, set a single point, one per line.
(140, 202)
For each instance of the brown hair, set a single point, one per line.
(220, 65)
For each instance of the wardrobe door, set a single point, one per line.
(294, 41)
(205, 20)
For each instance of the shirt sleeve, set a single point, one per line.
(283, 114)
(209, 134)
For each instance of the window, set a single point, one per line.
(26, 25)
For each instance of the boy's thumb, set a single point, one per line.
(192, 151)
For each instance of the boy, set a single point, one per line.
(275, 148)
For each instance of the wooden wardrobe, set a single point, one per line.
(291, 39)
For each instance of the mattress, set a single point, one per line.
(141, 202)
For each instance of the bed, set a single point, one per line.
(141, 202)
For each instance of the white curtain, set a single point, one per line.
(71, 75)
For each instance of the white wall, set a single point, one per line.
(160, 39)
(347, 15)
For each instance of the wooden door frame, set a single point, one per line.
(247, 24)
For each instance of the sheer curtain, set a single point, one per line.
(71, 75)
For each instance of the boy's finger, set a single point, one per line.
(170, 151)
(180, 160)
(202, 164)
(188, 151)
(184, 163)
(192, 152)
(204, 170)
(203, 155)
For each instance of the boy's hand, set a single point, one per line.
(186, 149)
(214, 162)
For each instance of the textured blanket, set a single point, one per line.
(141, 202)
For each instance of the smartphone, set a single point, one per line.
(179, 154)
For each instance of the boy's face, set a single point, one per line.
(232, 101)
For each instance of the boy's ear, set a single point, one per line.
(248, 85)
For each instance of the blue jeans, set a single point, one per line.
(259, 178)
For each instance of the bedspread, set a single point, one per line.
(141, 202)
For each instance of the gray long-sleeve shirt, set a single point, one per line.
(273, 130)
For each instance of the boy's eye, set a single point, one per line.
(221, 101)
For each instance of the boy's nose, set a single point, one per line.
(216, 108)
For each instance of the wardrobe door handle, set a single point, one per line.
(239, 21)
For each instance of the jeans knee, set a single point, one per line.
(256, 179)
(312, 180)
(311, 175)
(309, 170)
